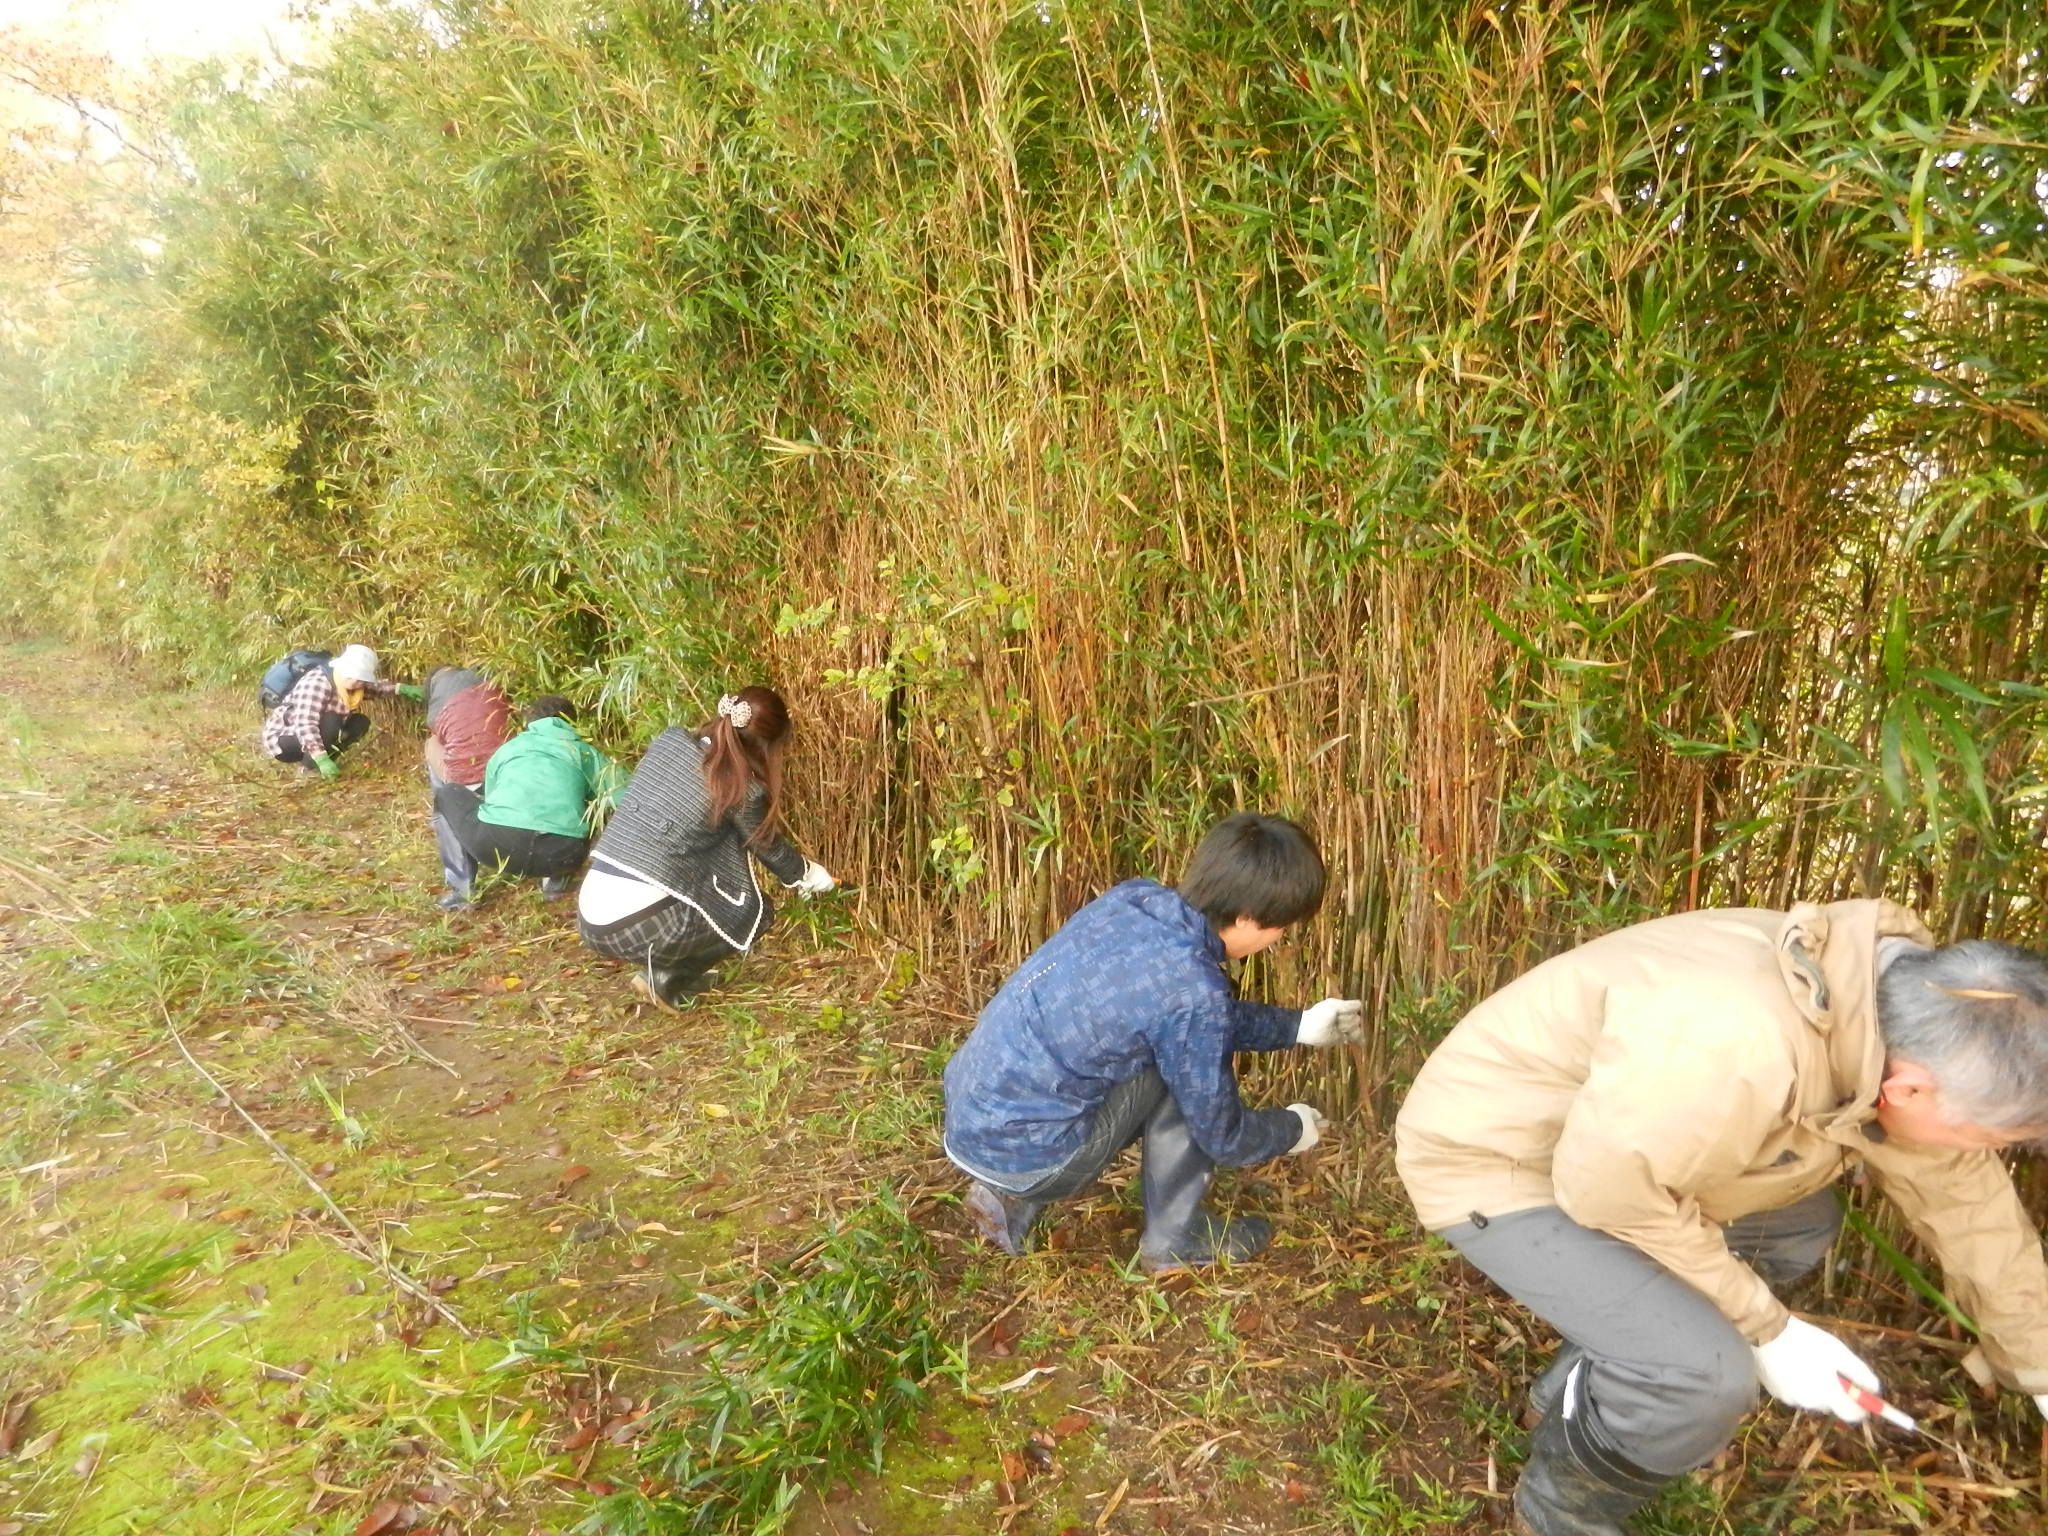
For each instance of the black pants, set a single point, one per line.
(517, 851)
(337, 734)
(1120, 1121)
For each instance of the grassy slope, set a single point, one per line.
(202, 1348)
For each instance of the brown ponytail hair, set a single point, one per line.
(745, 755)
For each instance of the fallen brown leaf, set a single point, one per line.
(1002, 1334)
(384, 1517)
(580, 1436)
(11, 1423)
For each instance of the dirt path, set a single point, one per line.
(535, 1196)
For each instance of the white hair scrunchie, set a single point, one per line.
(737, 710)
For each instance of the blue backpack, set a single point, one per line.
(285, 673)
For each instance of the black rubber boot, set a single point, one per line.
(669, 989)
(1575, 1484)
(1001, 1219)
(1545, 1389)
(1181, 1232)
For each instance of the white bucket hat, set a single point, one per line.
(357, 663)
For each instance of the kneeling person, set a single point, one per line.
(533, 817)
(1121, 1026)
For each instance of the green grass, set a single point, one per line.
(19, 743)
(806, 1375)
(171, 1273)
(130, 1280)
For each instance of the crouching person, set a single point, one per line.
(541, 792)
(1121, 1028)
(1637, 1140)
(671, 888)
(322, 716)
(468, 719)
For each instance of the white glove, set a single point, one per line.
(1800, 1365)
(2041, 1403)
(1333, 1020)
(1311, 1127)
(815, 880)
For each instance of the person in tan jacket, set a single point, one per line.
(1637, 1140)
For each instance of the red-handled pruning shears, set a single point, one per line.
(1870, 1402)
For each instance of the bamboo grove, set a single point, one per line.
(1586, 460)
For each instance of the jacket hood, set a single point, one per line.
(1827, 955)
(555, 725)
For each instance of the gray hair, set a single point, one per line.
(1975, 1015)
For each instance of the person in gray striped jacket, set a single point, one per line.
(671, 888)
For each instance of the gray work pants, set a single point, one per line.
(1666, 1377)
(458, 869)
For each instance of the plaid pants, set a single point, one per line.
(671, 937)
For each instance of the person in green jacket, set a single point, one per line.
(542, 792)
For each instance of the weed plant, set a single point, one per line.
(125, 1284)
(803, 1379)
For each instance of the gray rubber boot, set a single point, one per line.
(1181, 1232)
(1001, 1219)
(1574, 1483)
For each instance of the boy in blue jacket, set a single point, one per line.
(1121, 1026)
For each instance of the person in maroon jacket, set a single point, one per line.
(468, 718)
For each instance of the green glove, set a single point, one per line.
(329, 768)
(412, 691)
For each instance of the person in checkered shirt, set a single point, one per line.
(322, 715)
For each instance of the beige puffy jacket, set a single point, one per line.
(1665, 1079)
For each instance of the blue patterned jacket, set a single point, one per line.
(1134, 980)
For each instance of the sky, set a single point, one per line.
(135, 31)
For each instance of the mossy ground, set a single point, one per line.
(195, 1344)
